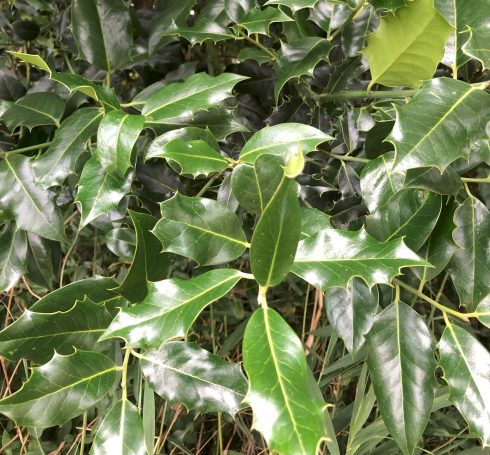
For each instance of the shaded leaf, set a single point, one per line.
(477, 45)
(295, 5)
(13, 256)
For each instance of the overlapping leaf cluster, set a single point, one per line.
(230, 160)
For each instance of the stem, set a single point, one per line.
(262, 297)
(354, 11)
(107, 81)
(124, 378)
(270, 53)
(207, 185)
(358, 94)
(25, 149)
(476, 180)
(348, 158)
(444, 309)
(84, 431)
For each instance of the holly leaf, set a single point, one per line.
(295, 5)
(52, 397)
(34, 109)
(477, 45)
(278, 230)
(170, 308)
(199, 91)
(401, 363)
(148, 263)
(28, 203)
(351, 312)
(58, 162)
(201, 229)
(117, 134)
(36, 336)
(201, 31)
(470, 264)
(121, 432)
(182, 372)
(285, 139)
(98, 191)
(332, 257)
(483, 311)
(258, 20)
(407, 46)
(312, 221)
(299, 58)
(286, 402)
(103, 32)
(454, 116)
(13, 256)
(466, 366)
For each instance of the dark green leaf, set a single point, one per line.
(236, 9)
(295, 5)
(285, 399)
(52, 397)
(477, 45)
(182, 372)
(122, 242)
(258, 20)
(201, 229)
(13, 256)
(401, 363)
(312, 221)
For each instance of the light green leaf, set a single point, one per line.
(466, 366)
(170, 308)
(117, 134)
(58, 162)
(36, 336)
(286, 401)
(408, 45)
(27, 202)
(258, 20)
(148, 263)
(35, 60)
(389, 5)
(299, 58)
(13, 256)
(439, 124)
(182, 372)
(401, 363)
(295, 5)
(52, 397)
(283, 140)
(98, 191)
(278, 230)
(331, 258)
(102, 31)
(470, 265)
(199, 91)
(121, 432)
(34, 109)
(351, 312)
(201, 229)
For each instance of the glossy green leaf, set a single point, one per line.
(13, 256)
(283, 140)
(483, 311)
(148, 263)
(430, 179)
(278, 230)
(122, 242)
(201, 31)
(351, 312)
(477, 45)
(52, 397)
(401, 363)
(410, 214)
(43, 258)
(170, 308)
(254, 53)
(408, 45)
(121, 432)
(58, 162)
(182, 372)
(117, 134)
(439, 124)
(285, 399)
(236, 9)
(389, 5)
(470, 265)
(34, 109)
(299, 58)
(295, 5)
(195, 157)
(201, 229)
(312, 221)
(98, 191)
(200, 91)
(258, 20)
(36, 336)
(466, 365)
(332, 257)
(26, 201)
(102, 32)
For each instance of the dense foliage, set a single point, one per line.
(237, 226)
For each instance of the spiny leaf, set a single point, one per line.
(477, 45)
(52, 397)
(181, 372)
(287, 404)
(201, 229)
(295, 5)
(333, 257)
(170, 308)
(258, 20)
(408, 45)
